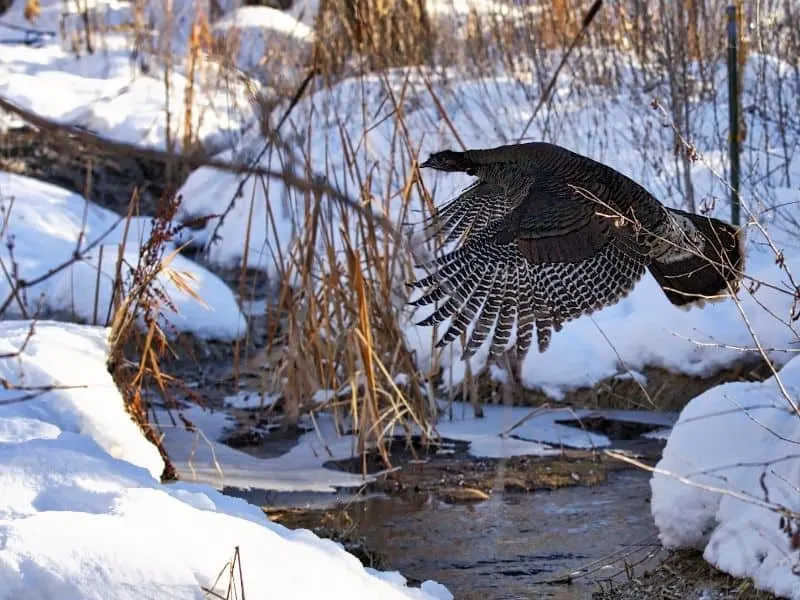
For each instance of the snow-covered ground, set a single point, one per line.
(47, 224)
(84, 515)
(736, 449)
(113, 91)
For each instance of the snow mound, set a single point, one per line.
(267, 42)
(264, 19)
(81, 499)
(484, 8)
(44, 224)
(115, 92)
(741, 438)
(89, 413)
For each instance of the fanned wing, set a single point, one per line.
(469, 213)
(550, 260)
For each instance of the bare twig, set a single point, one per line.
(743, 496)
(587, 20)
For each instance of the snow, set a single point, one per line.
(198, 456)
(506, 431)
(83, 514)
(266, 18)
(268, 39)
(536, 433)
(108, 91)
(45, 223)
(83, 416)
(445, 9)
(740, 440)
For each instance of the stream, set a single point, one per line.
(551, 544)
(561, 543)
(523, 539)
(507, 546)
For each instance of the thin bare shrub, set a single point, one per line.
(140, 334)
(375, 34)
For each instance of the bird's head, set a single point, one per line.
(450, 160)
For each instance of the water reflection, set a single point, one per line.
(507, 546)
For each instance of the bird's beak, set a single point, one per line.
(426, 163)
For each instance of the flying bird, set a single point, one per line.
(547, 235)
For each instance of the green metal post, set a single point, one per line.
(733, 111)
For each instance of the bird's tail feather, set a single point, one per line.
(706, 272)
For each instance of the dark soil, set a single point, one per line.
(110, 181)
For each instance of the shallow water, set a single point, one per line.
(507, 546)
(545, 544)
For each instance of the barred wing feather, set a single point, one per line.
(489, 283)
(469, 213)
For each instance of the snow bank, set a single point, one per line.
(45, 222)
(90, 415)
(268, 44)
(265, 19)
(83, 515)
(453, 9)
(742, 438)
(113, 92)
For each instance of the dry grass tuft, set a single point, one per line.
(232, 571)
(342, 329)
(138, 318)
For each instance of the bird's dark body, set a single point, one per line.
(549, 235)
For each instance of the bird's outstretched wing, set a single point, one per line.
(548, 261)
(468, 213)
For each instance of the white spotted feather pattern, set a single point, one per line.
(534, 253)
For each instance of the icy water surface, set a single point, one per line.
(507, 546)
(511, 546)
